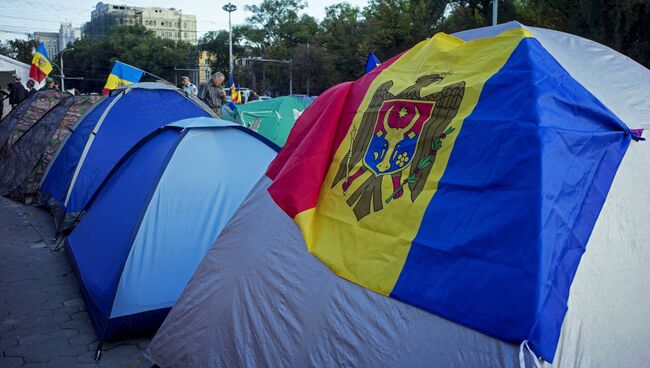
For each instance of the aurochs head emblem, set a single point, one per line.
(398, 134)
(392, 145)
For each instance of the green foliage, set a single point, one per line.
(335, 50)
(93, 58)
(21, 50)
(216, 42)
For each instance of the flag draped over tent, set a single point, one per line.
(372, 62)
(41, 65)
(447, 178)
(122, 75)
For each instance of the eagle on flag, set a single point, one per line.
(398, 132)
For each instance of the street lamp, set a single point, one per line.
(61, 68)
(230, 8)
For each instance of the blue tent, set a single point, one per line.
(105, 135)
(155, 216)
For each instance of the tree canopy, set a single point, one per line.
(334, 49)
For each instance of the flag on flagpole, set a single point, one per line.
(41, 65)
(239, 99)
(122, 75)
(372, 62)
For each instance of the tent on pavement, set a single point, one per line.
(27, 113)
(273, 297)
(156, 215)
(102, 137)
(23, 163)
(272, 118)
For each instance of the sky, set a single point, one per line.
(19, 17)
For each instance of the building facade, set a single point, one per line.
(165, 23)
(56, 42)
(68, 34)
(50, 40)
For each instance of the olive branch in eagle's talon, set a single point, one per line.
(423, 163)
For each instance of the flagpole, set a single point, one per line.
(157, 77)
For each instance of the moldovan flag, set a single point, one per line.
(233, 91)
(122, 75)
(41, 65)
(461, 177)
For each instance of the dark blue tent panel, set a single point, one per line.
(156, 214)
(103, 138)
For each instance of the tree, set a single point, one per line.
(217, 43)
(92, 58)
(275, 18)
(342, 41)
(21, 50)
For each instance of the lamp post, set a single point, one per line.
(495, 11)
(230, 8)
(61, 68)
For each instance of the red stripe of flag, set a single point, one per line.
(36, 74)
(301, 166)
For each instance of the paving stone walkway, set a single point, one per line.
(43, 319)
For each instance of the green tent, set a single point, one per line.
(272, 118)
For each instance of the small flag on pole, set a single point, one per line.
(372, 62)
(239, 99)
(122, 75)
(41, 65)
(233, 90)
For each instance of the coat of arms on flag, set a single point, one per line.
(399, 134)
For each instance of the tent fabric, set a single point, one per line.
(259, 298)
(26, 114)
(272, 118)
(103, 137)
(504, 144)
(23, 164)
(174, 193)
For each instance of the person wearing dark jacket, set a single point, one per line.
(31, 87)
(17, 92)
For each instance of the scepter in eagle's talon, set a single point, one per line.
(424, 162)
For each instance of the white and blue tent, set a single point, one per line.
(102, 137)
(156, 214)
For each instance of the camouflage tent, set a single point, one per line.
(35, 140)
(27, 113)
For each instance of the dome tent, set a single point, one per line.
(105, 134)
(291, 310)
(23, 163)
(272, 118)
(174, 192)
(27, 113)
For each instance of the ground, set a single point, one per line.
(43, 319)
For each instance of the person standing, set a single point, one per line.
(31, 87)
(213, 94)
(49, 83)
(17, 92)
(253, 96)
(188, 86)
